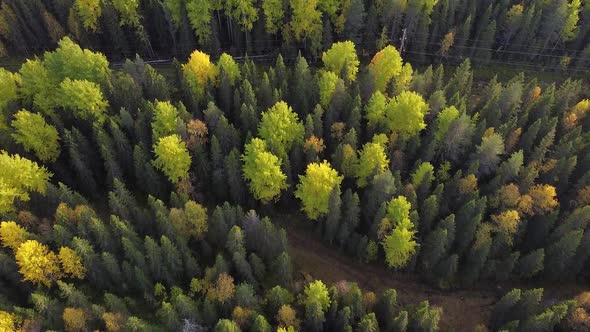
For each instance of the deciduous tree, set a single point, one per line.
(8, 87)
(37, 264)
(306, 22)
(317, 292)
(399, 246)
(341, 59)
(245, 12)
(198, 72)
(327, 85)
(274, 13)
(385, 66)
(90, 12)
(165, 120)
(543, 197)
(372, 161)
(84, 98)
(18, 178)
(190, 222)
(280, 128)
(12, 235)
(228, 65)
(263, 172)
(172, 158)
(127, 10)
(36, 135)
(315, 187)
(71, 263)
(199, 16)
(404, 114)
(75, 319)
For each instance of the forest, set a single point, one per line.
(175, 197)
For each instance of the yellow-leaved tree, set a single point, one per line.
(198, 72)
(71, 263)
(12, 235)
(74, 319)
(37, 264)
(18, 178)
(9, 322)
(190, 221)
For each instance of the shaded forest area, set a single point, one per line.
(134, 202)
(532, 34)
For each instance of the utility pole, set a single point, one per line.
(403, 41)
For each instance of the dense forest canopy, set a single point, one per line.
(536, 34)
(137, 199)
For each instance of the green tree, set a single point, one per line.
(228, 65)
(369, 323)
(404, 114)
(570, 26)
(375, 110)
(174, 9)
(18, 178)
(531, 264)
(274, 13)
(315, 187)
(276, 297)
(443, 122)
(306, 22)
(90, 12)
(8, 90)
(263, 172)
(341, 59)
(314, 316)
(127, 10)
(424, 172)
(334, 215)
(199, 16)
(34, 134)
(372, 161)
(260, 324)
(280, 128)
(41, 78)
(165, 120)
(317, 292)
(399, 246)
(84, 98)
(172, 158)
(488, 153)
(226, 325)
(327, 85)
(244, 12)
(385, 66)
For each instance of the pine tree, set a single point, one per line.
(334, 216)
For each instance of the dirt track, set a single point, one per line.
(463, 310)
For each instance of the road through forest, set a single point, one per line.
(463, 310)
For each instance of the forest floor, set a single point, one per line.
(463, 310)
